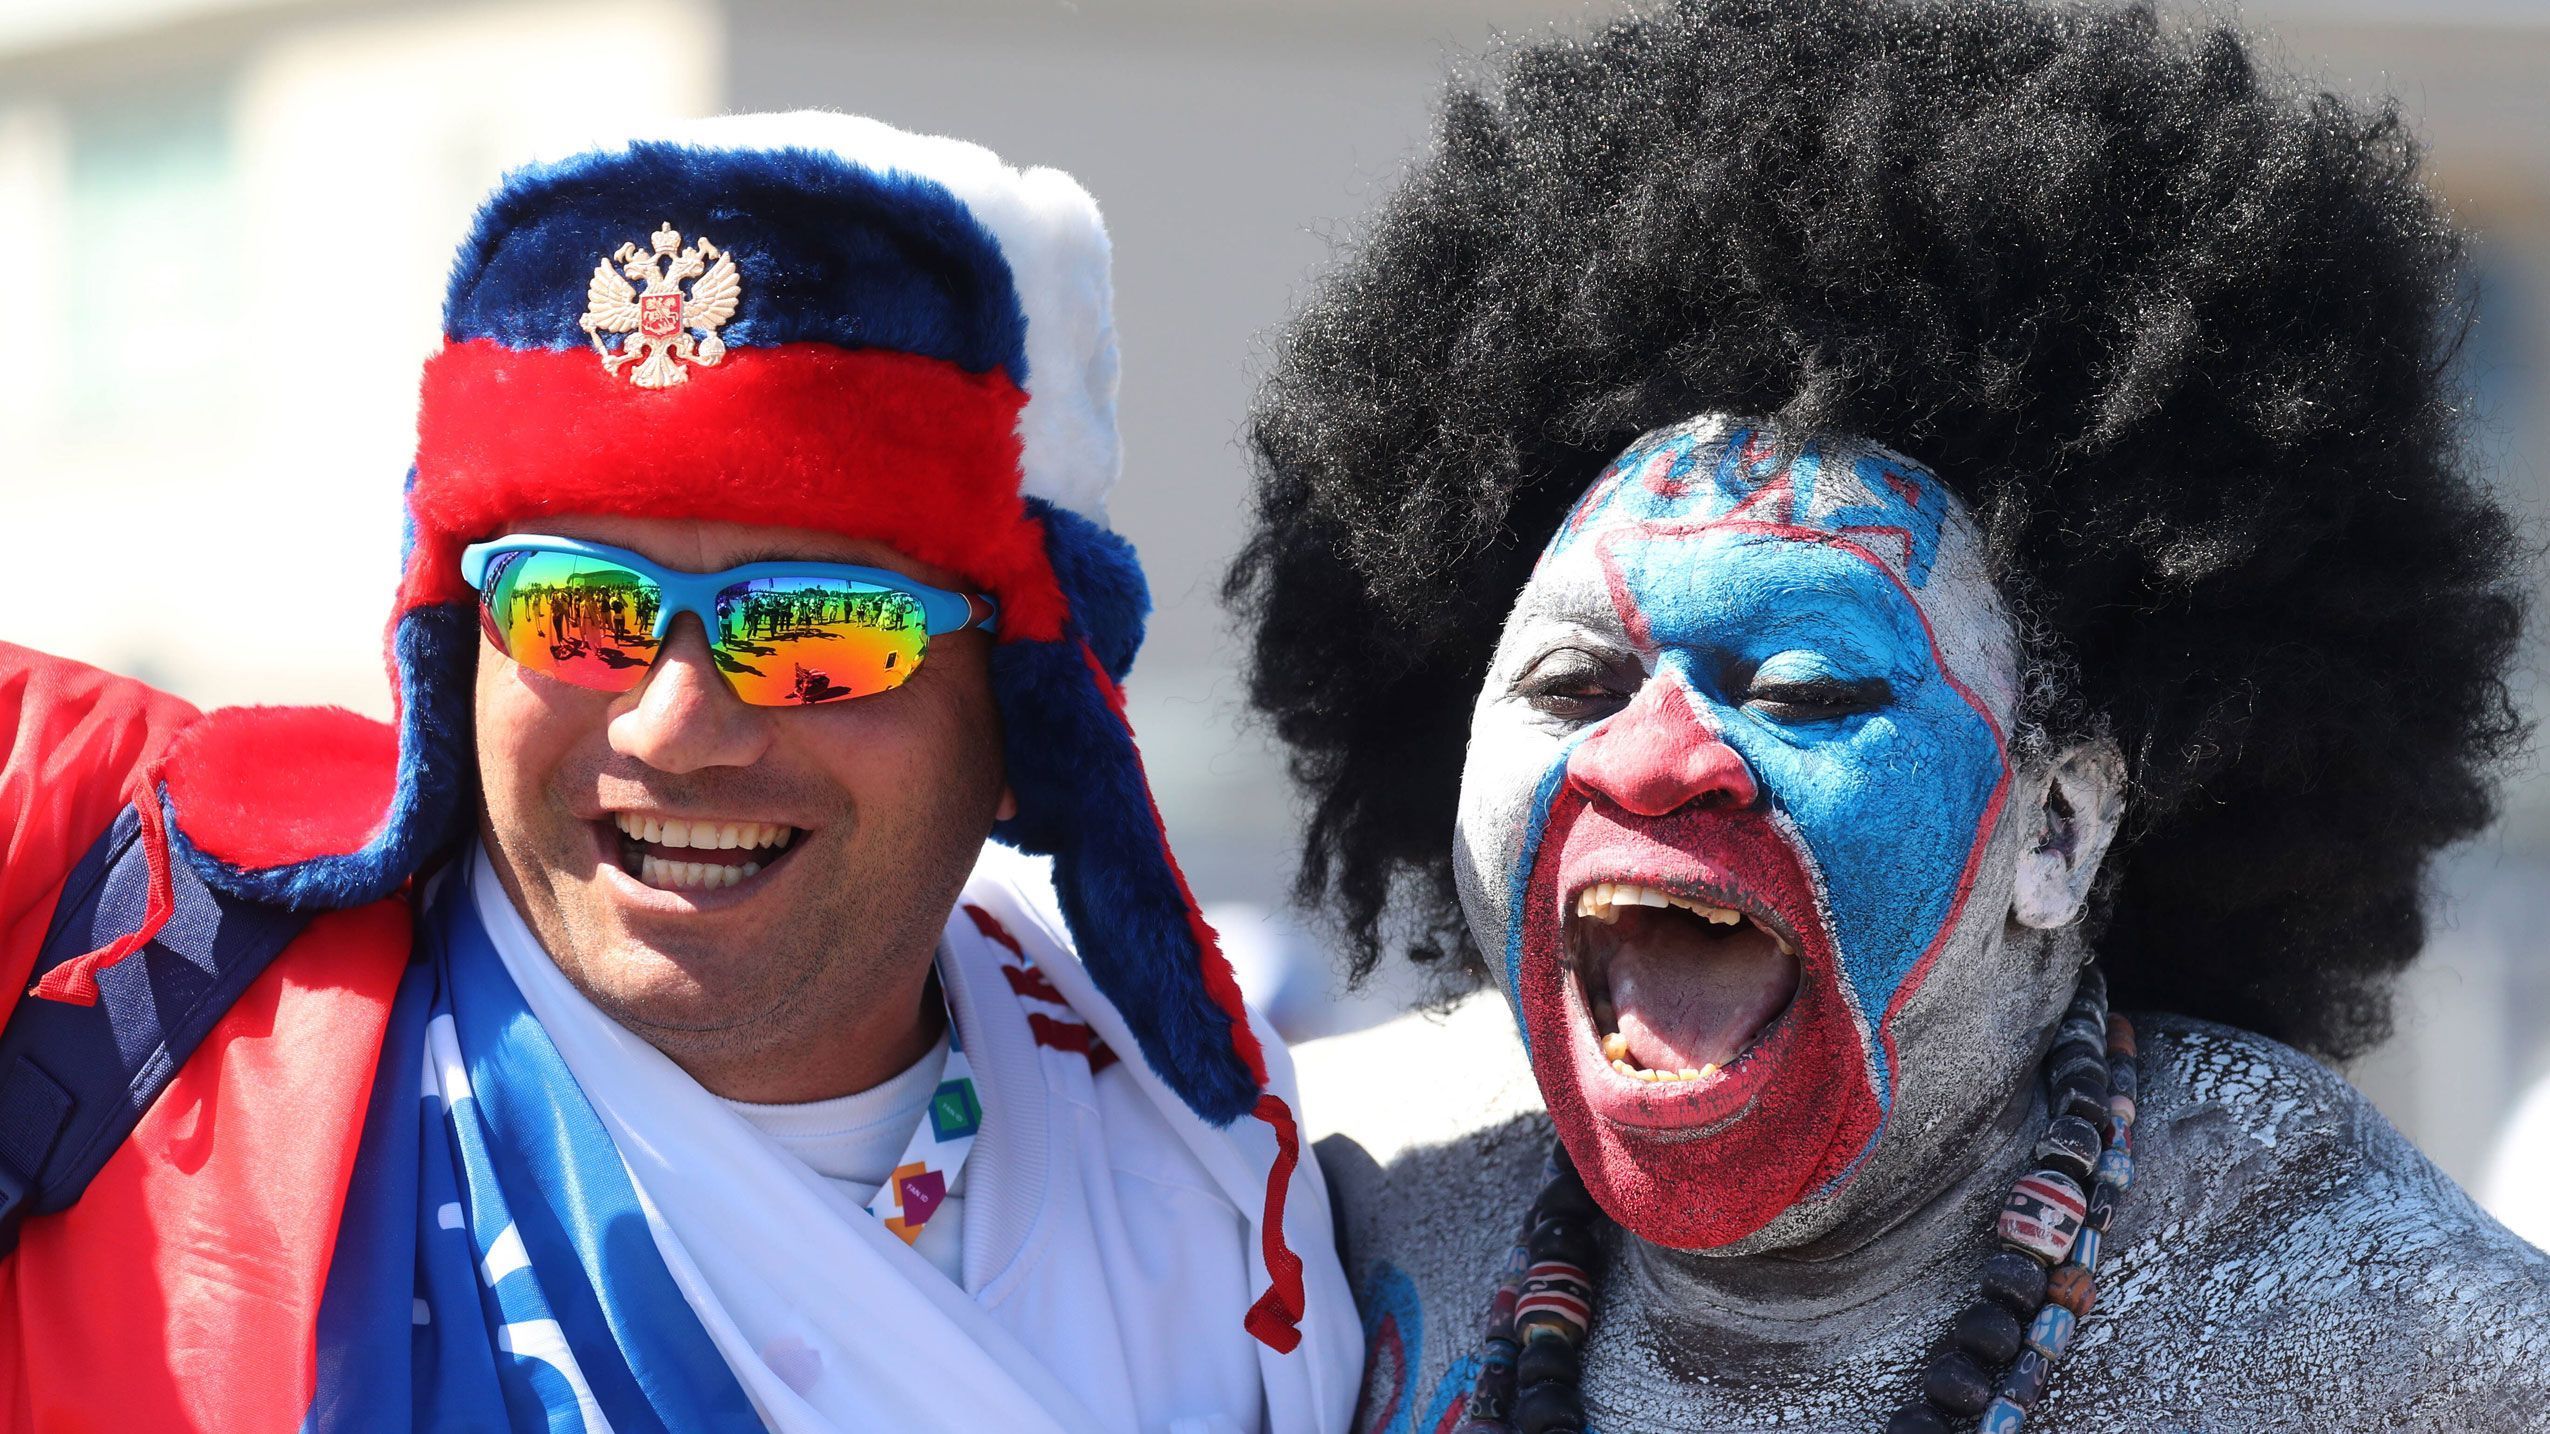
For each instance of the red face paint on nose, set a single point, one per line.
(1657, 756)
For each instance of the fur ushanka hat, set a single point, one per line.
(873, 333)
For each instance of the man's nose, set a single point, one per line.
(1658, 755)
(684, 717)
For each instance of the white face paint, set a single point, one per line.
(1741, 835)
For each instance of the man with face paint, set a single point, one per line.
(1734, 786)
(1807, 583)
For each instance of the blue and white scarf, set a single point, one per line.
(552, 1226)
(494, 1269)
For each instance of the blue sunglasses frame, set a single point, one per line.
(942, 611)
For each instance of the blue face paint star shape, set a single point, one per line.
(1731, 798)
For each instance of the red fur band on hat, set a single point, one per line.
(911, 452)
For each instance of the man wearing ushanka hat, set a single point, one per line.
(638, 1032)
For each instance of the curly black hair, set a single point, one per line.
(2177, 329)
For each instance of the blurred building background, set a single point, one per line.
(229, 222)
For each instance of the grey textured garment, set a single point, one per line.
(2285, 1260)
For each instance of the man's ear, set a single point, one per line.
(1009, 805)
(2079, 801)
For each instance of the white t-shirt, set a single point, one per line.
(855, 1140)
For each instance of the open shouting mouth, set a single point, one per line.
(1689, 1023)
(1681, 984)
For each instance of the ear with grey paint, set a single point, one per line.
(2080, 799)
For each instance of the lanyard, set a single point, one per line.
(939, 1144)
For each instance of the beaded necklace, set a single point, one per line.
(2000, 1351)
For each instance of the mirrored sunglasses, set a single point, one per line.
(783, 634)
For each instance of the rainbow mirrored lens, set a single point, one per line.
(780, 641)
(580, 619)
(787, 640)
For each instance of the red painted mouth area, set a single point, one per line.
(1747, 1087)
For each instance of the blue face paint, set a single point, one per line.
(1889, 795)
(1695, 473)
(1519, 881)
(1739, 571)
(1793, 735)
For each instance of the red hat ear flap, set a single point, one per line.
(316, 808)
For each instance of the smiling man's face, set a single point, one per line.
(763, 966)
(1736, 831)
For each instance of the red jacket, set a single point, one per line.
(182, 1290)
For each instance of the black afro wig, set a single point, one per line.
(2176, 329)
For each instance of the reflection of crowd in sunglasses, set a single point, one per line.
(609, 617)
(807, 611)
(795, 614)
(582, 612)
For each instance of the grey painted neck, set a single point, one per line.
(1885, 1241)
(1766, 1295)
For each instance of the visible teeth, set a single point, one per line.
(1603, 901)
(1668, 1077)
(692, 875)
(702, 836)
(1615, 1046)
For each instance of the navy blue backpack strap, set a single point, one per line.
(75, 1080)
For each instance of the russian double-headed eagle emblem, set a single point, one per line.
(660, 318)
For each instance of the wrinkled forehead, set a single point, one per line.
(1717, 475)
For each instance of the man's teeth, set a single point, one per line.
(1657, 1077)
(1604, 900)
(691, 875)
(703, 836)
